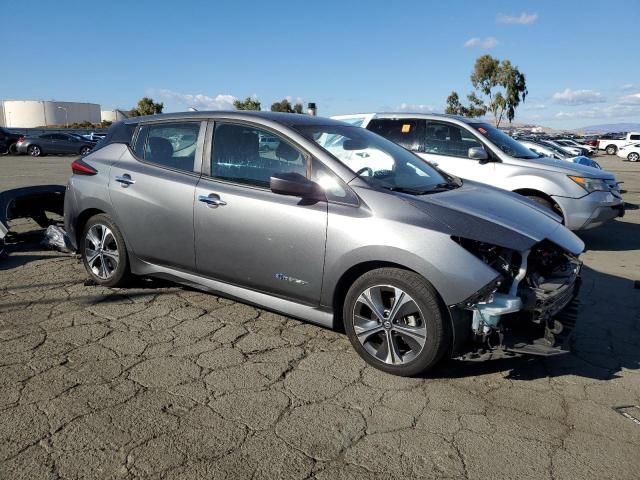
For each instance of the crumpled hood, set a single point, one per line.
(487, 214)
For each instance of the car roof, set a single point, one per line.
(290, 119)
(401, 115)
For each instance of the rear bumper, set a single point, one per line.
(590, 211)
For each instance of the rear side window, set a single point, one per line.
(405, 132)
(634, 137)
(171, 145)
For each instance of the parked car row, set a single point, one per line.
(549, 149)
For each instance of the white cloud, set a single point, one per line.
(416, 108)
(474, 42)
(578, 97)
(534, 106)
(628, 86)
(198, 100)
(633, 99)
(523, 19)
(293, 100)
(608, 112)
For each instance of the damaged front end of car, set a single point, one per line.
(526, 308)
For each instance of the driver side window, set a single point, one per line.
(250, 156)
(448, 139)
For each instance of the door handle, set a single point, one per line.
(212, 200)
(125, 180)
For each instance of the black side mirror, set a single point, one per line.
(295, 185)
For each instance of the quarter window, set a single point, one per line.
(448, 139)
(405, 132)
(250, 156)
(634, 137)
(171, 145)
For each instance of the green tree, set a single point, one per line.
(499, 88)
(475, 109)
(285, 106)
(249, 103)
(146, 106)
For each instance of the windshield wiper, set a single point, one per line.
(439, 187)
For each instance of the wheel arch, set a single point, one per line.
(525, 192)
(82, 220)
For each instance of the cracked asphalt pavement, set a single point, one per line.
(161, 381)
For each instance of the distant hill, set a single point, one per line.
(610, 127)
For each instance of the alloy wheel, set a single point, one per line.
(34, 151)
(633, 157)
(389, 324)
(101, 251)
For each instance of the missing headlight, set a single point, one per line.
(503, 260)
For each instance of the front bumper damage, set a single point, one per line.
(29, 202)
(530, 308)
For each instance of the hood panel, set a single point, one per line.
(561, 166)
(503, 218)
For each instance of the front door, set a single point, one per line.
(247, 235)
(152, 191)
(446, 145)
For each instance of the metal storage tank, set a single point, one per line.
(42, 113)
(113, 115)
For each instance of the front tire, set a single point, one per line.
(611, 150)
(633, 157)
(395, 321)
(546, 204)
(104, 252)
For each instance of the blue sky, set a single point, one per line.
(580, 58)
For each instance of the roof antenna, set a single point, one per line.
(192, 109)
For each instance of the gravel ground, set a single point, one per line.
(160, 381)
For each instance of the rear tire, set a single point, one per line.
(410, 332)
(611, 150)
(85, 150)
(34, 150)
(633, 157)
(104, 252)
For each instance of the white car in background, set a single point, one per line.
(630, 152)
(587, 150)
(548, 151)
(575, 151)
(583, 197)
(612, 145)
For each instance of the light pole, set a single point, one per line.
(66, 116)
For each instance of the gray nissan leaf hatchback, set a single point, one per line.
(332, 224)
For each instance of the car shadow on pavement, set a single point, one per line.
(605, 340)
(615, 236)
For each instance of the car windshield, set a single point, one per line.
(504, 142)
(378, 161)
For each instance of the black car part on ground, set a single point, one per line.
(29, 202)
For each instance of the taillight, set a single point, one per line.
(20, 139)
(80, 167)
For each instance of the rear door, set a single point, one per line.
(152, 190)
(249, 236)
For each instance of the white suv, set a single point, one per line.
(584, 197)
